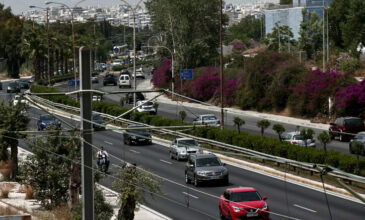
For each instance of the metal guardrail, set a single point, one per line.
(303, 165)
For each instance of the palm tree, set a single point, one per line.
(307, 134)
(279, 130)
(324, 138)
(238, 122)
(263, 124)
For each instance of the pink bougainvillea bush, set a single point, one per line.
(350, 101)
(162, 76)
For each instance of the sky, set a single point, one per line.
(19, 6)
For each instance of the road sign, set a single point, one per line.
(71, 83)
(186, 74)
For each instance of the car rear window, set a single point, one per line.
(210, 117)
(353, 122)
(245, 196)
(184, 143)
(47, 118)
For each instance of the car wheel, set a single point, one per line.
(120, 86)
(187, 181)
(341, 136)
(104, 84)
(331, 134)
(226, 181)
(221, 216)
(171, 156)
(196, 183)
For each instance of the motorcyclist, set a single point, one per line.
(102, 153)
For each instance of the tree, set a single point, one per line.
(132, 183)
(286, 2)
(190, 28)
(310, 39)
(12, 119)
(280, 38)
(48, 169)
(324, 138)
(307, 134)
(238, 122)
(279, 130)
(248, 28)
(263, 124)
(182, 115)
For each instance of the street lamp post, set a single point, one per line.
(134, 46)
(73, 33)
(221, 61)
(47, 25)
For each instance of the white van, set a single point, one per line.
(124, 81)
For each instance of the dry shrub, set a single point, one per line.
(7, 211)
(62, 212)
(5, 190)
(5, 168)
(29, 194)
(22, 188)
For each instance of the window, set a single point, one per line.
(187, 143)
(298, 137)
(47, 118)
(208, 162)
(245, 196)
(226, 195)
(356, 122)
(209, 117)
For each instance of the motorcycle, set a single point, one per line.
(103, 163)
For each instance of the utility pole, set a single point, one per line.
(221, 61)
(86, 127)
(324, 48)
(328, 49)
(48, 62)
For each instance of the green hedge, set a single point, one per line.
(258, 143)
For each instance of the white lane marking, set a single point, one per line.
(164, 161)
(108, 143)
(185, 193)
(311, 210)
(134, 151)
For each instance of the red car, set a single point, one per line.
(346, 127)
(241, 203)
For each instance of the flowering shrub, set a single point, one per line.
(351, 100)
(162, 76)
(206, 85)
(229, 91)
(237, 45)
(310, 96)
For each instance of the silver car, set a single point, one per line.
(207, 119)
(181, 148)
(146, 107)
(296, 138)
(359, 137)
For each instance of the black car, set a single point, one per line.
(94, 79)
(13, 87)
(138, 134)
(47, 120)
(129, 97)
(24, 84)
(109, 79)
(205, 168)
(99, 122)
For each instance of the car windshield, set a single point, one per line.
(353, 122)
(298, 137)
(245, 196)
(186, 143)
(13, 84)
(209, 117)
(47, 118)
(286, 137)
(208, 162)
(360, 136)
(140, 132)
(148, 103)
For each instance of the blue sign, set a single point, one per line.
(71, 83)
(126, 61)
(78, 82)
(186, 74)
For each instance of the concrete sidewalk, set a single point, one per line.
(146, 84)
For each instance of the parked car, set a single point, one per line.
(100, 123)
(13, 87)
(345, 127)
(94, 79)
(109, 79)
(359, 137)
(205, 168)
(129, 97)
(24, 83)
(243, 203)
(140, 74)
(125, 81)
(31, 79)
(181, 148)
(47, 120)
(207, 119)
(297, 139)
(137, 135)
(146, 107)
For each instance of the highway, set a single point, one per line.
(181, 201)
(172, 111)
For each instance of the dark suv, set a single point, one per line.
(346, 127)
(129, 97)
(138, 134)
(205, 168)
(109, 79)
